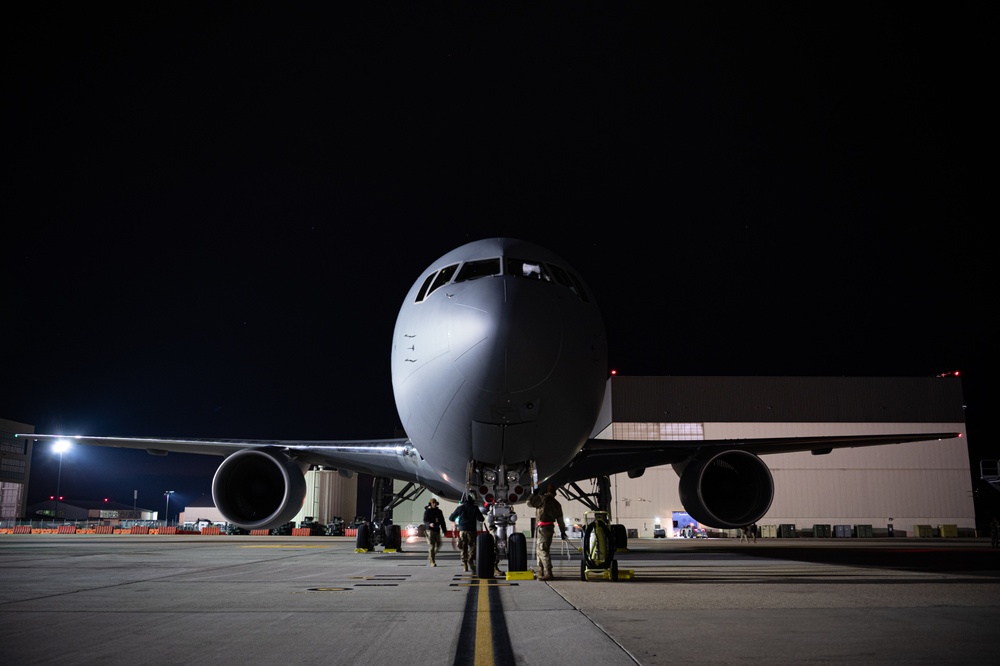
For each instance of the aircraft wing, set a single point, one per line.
(603, 457)
(394, 457)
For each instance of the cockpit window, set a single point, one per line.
(533, 270)
(443, 277)
(477, 269)
(521, 268)
(422, 294)
(578, 288)
(536, 270)
(436, 281)
(562, 277)
(567, 279)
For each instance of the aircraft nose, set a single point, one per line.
(522, 321)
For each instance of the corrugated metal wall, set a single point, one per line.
(786, 399)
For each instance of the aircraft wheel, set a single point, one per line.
(364, 538)
(394, 537)
(485, 564)
(621, 536)
(614, 570)
(583, 570)
(517, 552)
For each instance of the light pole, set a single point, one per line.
(61, 446)
(166, 515)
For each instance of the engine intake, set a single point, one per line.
(259, 488)
(726, 489)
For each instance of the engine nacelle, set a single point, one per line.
(726, 489)
(258, 489)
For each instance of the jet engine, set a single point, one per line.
(259, 488)
(725, 489)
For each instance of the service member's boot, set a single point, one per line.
(541, 572)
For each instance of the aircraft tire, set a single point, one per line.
(364, 537)
(517, 552)
(614, 570)
(621, 536)
(394, 537)
(485, 555)
(583, 569)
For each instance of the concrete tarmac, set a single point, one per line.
(159, 599)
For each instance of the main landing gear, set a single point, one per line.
(381, 531)
(389, 536)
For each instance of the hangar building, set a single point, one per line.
(15, 469)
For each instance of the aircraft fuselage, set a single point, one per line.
(499, 362)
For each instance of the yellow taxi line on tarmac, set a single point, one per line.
(484, 630)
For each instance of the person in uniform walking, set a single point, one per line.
(548, 515)
(468, 516)
(434, 528)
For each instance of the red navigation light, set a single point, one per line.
(614, 372)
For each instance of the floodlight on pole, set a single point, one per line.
(166, 516)
(61, 446)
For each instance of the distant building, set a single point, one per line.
(200, 510)
(15, 469)
(103, 512)
(328, 494)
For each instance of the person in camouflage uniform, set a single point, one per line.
(434, 528)
(467, 515)
(548, 515)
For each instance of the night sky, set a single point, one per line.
(213, 213)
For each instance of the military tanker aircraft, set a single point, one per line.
(499, 367)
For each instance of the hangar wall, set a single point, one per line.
(921, 483)
(15, 469)
(329, 494)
